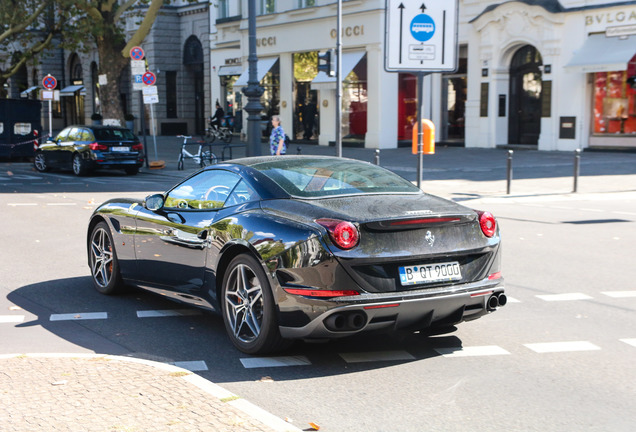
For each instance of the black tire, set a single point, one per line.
(249, 311)
(207, 158)
(132, 170)
(180, 163)
(227, 136)
(39, 161)
(80, 168)
(103, 261)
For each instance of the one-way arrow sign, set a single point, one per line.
(421, 37)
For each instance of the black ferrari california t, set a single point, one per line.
(302, 247)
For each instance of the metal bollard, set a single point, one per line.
(299, 150)
(509, 172)
(377, 157)
(577, 169)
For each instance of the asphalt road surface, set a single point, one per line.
(560, 356)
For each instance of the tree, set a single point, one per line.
(27, 28)
(105, 22)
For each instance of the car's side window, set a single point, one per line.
(206, 190)
(242, 193)
(87, 135)
(75, 135)
(63, 136)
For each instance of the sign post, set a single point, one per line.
(49, 82)
(421, 38)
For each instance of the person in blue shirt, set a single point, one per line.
(277, 138)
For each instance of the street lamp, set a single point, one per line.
(253, 91)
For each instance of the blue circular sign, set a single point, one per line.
(422, 27)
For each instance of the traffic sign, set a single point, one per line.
(149, 78)
(151, 99)
(49, 82)
(136, 53)
(421, 36)
(150, 90)
(137, 67)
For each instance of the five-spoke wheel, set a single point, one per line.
(103, 260)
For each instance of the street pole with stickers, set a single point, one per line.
(421, 38)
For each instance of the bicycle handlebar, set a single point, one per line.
(183, 136)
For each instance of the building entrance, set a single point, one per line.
(524, 125)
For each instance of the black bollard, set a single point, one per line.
(577, 169)
(509, 172)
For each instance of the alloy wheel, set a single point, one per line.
(77, 165)
(40, 162)
(101, 257)
(244, 303)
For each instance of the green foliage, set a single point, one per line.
(305, 66)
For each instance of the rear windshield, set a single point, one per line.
(307, 178)
(113, 134)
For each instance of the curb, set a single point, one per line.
(225, 396)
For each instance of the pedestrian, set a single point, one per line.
(277, 138)
(309, 114)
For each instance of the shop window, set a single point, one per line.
(271, 97)
(615, 102)
(305, 99)
(407, 105)
(171, 94)
(354, 97)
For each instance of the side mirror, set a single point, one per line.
(154, 202)
(58, 141)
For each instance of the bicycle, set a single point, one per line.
(222, 133)
(203, 158)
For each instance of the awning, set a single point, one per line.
(229, 70)
(28, 91)
(349, 61)
(262, 67)
(603, 54)
(71, 90)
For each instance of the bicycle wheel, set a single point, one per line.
(180, 162)
(207, 158)
(227, 136)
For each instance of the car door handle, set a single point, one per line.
(175, 217)
(202, 234)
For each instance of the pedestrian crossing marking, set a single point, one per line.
(79, 316)
(619, 294)
(262, 362)
(553, 347)
(373, 356)
(192, 366)
(631, 342)
(167, 313)
(476, 351)
(11, 319)
(565, 297)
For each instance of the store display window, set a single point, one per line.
(615, 102)
(354, 96)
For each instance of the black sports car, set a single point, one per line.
(302, 247)
(86, 148)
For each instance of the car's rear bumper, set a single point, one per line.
(417, 310)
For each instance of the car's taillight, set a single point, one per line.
(488, 223)
(344, 234)
(97, 146)
(138, 147)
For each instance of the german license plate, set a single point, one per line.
(430, 273)
(120, 149)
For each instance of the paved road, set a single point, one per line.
(558, 357)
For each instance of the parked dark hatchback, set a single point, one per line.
(86, 148)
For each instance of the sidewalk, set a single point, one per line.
(76, 392)
(461, 173)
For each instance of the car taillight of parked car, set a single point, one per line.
(138, 147)
(487, 222)
(344, 234)
(97, 146)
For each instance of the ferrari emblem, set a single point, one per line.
(430, 238)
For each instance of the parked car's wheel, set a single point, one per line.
(103, 260)
(132, 170)
(248, 307)
(40, 162)
(80, 167)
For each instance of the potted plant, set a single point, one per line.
(96, 118)
(130, 121)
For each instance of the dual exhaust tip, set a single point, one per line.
(497, 300)
(346, 321)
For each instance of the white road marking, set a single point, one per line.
(61, 204)
(79, 316)
(619, 294)
(262, 362)
(513, 300)
(624, 213)
(374, 356)
(476, 351)
(564, 297)
(631, 342)
(192, 366)
(552, 347)
(21, 204)
(6, 319)
(166, 313)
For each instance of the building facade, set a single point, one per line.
(539, 73)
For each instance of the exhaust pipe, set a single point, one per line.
(351, 321)
(493, 302)
(356, 321)
(502, 299)
(336, 322)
